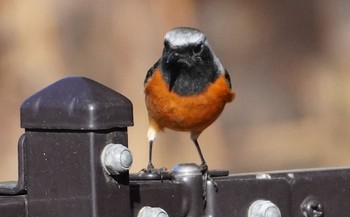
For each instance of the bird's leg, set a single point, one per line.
(150, 166)
(203, 166)
(204, 170)
(151, 134)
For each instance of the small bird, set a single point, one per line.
(186, 89)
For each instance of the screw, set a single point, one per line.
(263, 208)
(116, 159)
(312, 207)
(148, 211)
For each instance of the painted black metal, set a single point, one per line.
(68, 124)
(13, 206)
(19, 187)
(76, 103)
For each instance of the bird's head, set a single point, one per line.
(186, 50)
(185, 47)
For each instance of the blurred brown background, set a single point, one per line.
(289, 62)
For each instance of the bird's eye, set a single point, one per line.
(166, 44)
(198, 48)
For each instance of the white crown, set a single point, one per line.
(183, 36)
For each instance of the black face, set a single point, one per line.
(188, 70)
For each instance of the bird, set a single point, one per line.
(186, 89)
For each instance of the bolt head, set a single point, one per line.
(311, 206)
(148, 211)
(263, 208)
(116, 159)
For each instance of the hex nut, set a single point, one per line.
(263, 208)
(116, 159)
(148, 211)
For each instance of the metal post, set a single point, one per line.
(67, 125)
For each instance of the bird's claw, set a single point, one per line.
(203, 168)
(150, 169)
(206, 177)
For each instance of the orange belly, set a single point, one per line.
(185, 113)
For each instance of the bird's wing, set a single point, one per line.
(150, 72)
(228, 79)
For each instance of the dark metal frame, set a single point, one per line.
(68, 124)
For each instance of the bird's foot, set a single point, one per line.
(151, 170)
(206, 177)
(203, 168)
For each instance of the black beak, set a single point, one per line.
(172, 56)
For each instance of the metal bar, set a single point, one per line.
(19, 187)
(288, 190)
(13, 206)
(67, 125)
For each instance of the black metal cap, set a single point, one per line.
(76, 103)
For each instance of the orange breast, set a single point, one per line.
(185, 113)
